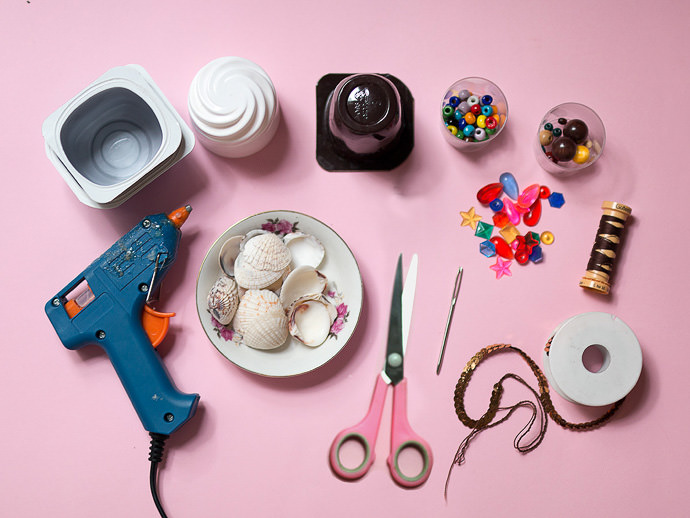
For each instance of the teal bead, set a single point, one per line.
(557, 132)
(548, 126)
(484, 230)
(468, 130)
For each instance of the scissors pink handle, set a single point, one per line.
(364, 432)
(402, 437)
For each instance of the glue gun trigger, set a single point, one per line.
(155, 324)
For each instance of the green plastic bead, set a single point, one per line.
(548, 126)
(484, 230)
(557, 132)
(490, 131)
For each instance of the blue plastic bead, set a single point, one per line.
(487, 100)
(464, 107)
(487, 110)
(487, 248)
(461, 124)
(464, 94)
(468, 130)
(496, 205)
(454, 101)
(510, 186)
(537, 255)
(556, 200)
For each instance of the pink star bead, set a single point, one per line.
(502, 267)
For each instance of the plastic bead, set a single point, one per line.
(476, 109)
(546, 237)
(509, 184)
(448, 112)
(533, 215)
(481, 123)
(548, 126)
(484, 230)
(528, 196)
(545, 137)
(563, 149)
(480, 134)
(486, 100)
(488, 193)
(453, 129)
(531, 241)
(470, 219)
(487, 110)
(557, 132)
(496, 205)
(509, 233)
(491, 123)
(501, 267)
(537, 255)
(556, 200)
(501, 247)
(562, 121)
(454, 101)
(464, 107)
(472, 100)
(464, 94)
(461, 123)
(581, 155)
(457, 114)
(576, 130)
(500, 219)
(490, 131)
(544, 192)
(487, 248)
(521, 256)
(511, 211)
(470, 118)
(468, 130)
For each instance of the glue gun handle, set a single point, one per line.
(161, 407)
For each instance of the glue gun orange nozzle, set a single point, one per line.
(179, 216)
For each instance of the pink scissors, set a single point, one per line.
(402, 435)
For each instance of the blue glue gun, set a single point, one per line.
(110, 304)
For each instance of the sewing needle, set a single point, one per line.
(456, 289)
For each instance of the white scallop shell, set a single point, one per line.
(228, 253)
(310, 321)
(303, 281)
(266, 331)
(305, 249)
(266, 252)
(252, 278)
(223, 299)
(253, 304)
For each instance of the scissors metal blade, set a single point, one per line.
(393, 369)
(408, 299)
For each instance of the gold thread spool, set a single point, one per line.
(598, 275)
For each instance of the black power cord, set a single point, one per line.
(156, 452)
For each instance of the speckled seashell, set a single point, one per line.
(266, 252)
(266, 331)
(303, 281)
(223, 299)
(253, 304)
(310, 321)
(305, 249)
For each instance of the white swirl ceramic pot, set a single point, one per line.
(233, 107)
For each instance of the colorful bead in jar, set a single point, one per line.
(581, 154)
(486, 100)
(476, 109)
(487, 110)
(545, 137)
(481, 121)
(563, 149)
(454, 101)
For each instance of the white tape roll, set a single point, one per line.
(620, 354)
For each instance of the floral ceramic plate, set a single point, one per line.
(344, 289)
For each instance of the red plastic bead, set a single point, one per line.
(521, 256)
(530, 243)
(501, 219)
(491, 123)
(528, 196)
(544, 192)
(534, 215)
(502, 248)
(490, 192)
(476, 109)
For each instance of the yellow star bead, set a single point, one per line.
(470, 218)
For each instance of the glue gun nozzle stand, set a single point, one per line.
(108, 305)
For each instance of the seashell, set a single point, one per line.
(253, 304)
(228, 253)
(252, 278)
(266, 251)
(303, 281)
(305, 249)
(223, 299)
(310, 321)
(251, 234)
(267, 331)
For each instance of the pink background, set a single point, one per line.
(73, 446)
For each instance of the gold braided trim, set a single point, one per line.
(494, 402)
